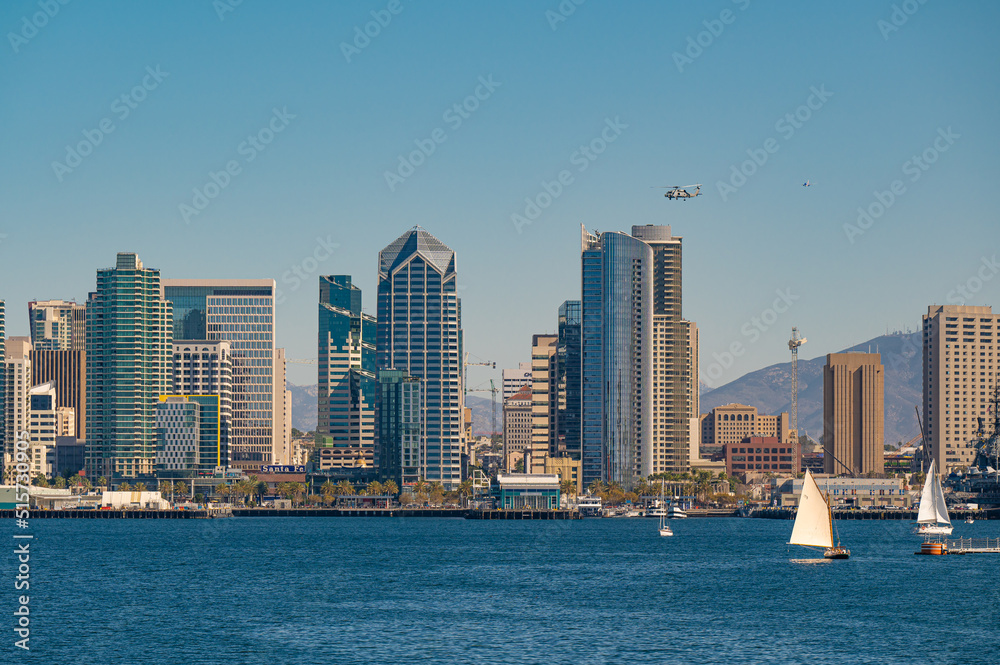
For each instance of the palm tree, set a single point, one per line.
(374, 488)
(261, 489)
(328, 490)
(74, 480)
(181, 488)
(140, 487)
(102, 481)
(596, 487)
(390, 487)
(59, 483)
(345, 488)
(465, 491)
(167, 487)
(436, 494)
(567, 487)
(222, 491)
(39, 480)
(124, 487)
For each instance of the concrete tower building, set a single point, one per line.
(420, 332)
(57, 325)
(675, 357)
(241, 312)
(347, 385)
(128, 342)
(17, 379)
(544, 400)
(961, 369)
(853, 413)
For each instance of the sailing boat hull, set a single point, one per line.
(935, 529)
(837, 553)
(665, 531)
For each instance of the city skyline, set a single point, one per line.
(290, 213)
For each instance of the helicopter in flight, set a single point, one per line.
(681, 192)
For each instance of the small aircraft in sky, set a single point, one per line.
(807, 184)
(676, 192)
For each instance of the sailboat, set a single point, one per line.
(664, 529)
(814, 522)
(932, 515)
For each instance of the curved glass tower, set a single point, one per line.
(617, 357)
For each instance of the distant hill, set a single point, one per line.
(303, 407)
(769, 389)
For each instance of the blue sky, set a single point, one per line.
(887, 94)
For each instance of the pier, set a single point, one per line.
(973, 546)
(515, 514)
(911, 515)
(94, 514)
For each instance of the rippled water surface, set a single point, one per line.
(398, 590)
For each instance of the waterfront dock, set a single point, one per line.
(93, 514)
(974, 546)
(516, 514)
(911, 515)
(349, 512)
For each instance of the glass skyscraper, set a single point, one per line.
(241, 312)
(420, 332)
(346, 376)
(128, 345)
(616, 315)
(569, 366)
(398, 427)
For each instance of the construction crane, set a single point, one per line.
(492, 389)
(793, 345)
(465, 369)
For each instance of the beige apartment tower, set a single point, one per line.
(516, 426)
(544, 402)
(853, 413)
(961, 366)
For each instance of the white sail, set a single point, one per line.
(812, 521)
(926, 513)
(932, 506)
(939, 505)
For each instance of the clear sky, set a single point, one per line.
(187, 87)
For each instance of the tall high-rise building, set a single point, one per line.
(57, 325)
(17, 377)
(568, 380)
(128, 344)
(961, 370)
(853, 413)
(675, 357)
(398, 427)
(617, 329)
(420, 332)
(67, 368)
(241, 312)
(544, 400)
(346, 376)
(514, 379)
